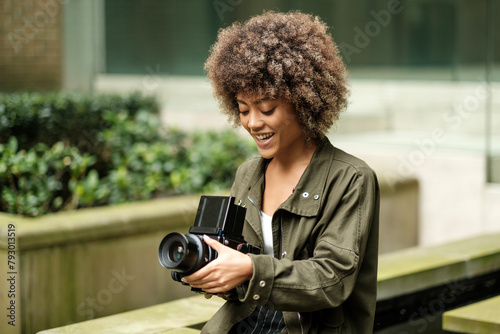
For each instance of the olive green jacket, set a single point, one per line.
(324, 274)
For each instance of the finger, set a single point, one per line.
(206, 282)
(208, 288)
(207, 296)
(199, 276)
(212, 242)
(216, 290)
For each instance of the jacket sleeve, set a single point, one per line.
(339, 241)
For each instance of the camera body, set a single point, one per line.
(217, 217)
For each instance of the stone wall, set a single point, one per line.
(49, 45)
(31, 45)
(79, 265)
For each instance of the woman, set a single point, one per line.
(311, 207)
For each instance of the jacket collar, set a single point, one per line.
(307, 196)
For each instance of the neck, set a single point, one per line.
(299, 157)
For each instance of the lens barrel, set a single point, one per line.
(184, 253)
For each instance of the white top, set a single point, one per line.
(266, 223)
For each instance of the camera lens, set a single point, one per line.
(177, 252)
(184, 253)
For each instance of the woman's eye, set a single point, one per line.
(243, 112)
(268, 112)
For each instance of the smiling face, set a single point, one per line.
(273, 124)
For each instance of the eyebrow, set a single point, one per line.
(264, 99)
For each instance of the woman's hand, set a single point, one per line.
(230, 269)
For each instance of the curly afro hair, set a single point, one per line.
(288, 56)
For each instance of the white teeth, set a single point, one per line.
(264, 137)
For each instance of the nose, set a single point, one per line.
(254, 121)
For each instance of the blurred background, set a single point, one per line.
(425, 87)
(424, 78)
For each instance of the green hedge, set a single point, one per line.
(70, 117)
(66, 151)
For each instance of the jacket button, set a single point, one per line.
(262, 284)
(283, 254)
(316, 196)
(256, 297)
(305, 195)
